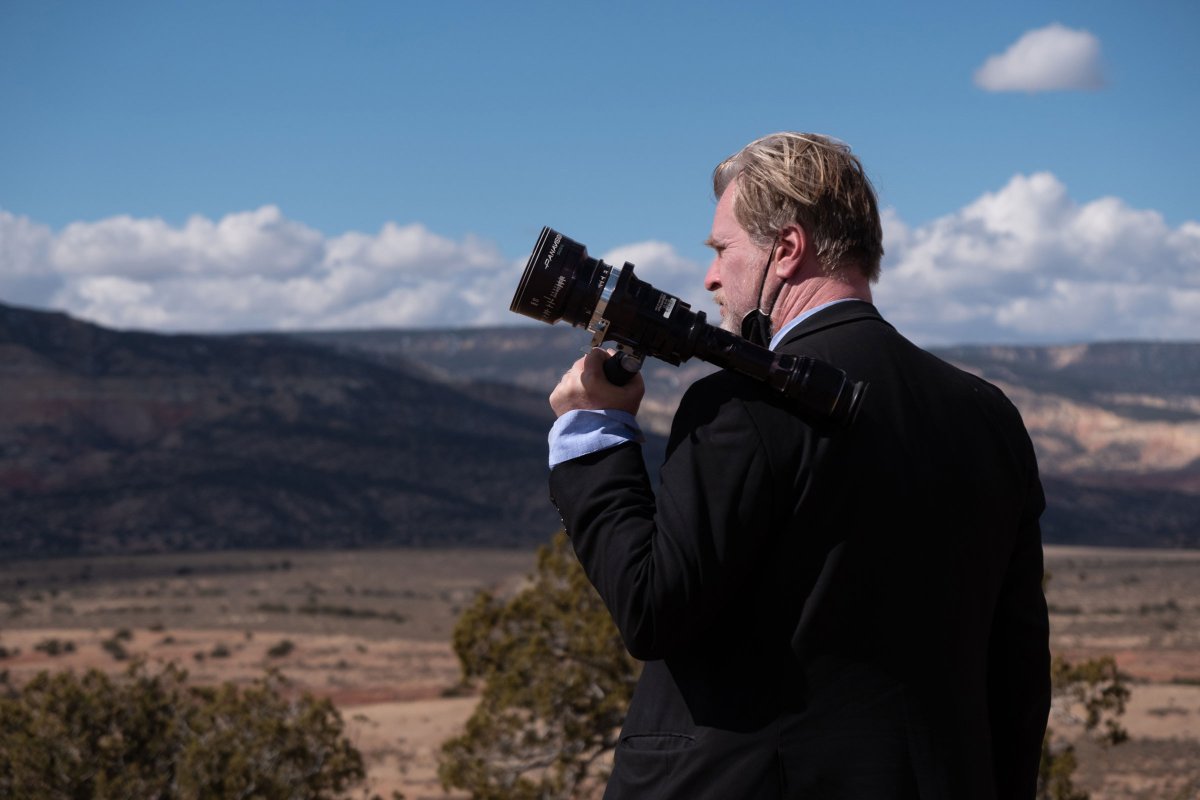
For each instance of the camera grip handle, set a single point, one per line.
(620, 368)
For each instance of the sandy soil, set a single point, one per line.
(370, 629)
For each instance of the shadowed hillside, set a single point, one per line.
(117, 441)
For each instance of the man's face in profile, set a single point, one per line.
(736, 273)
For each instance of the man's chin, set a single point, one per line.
(729, 321)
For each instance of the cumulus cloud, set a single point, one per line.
(1053, 58)
(1028, 263)
(252, 270)
(261, 241)
(25, 275)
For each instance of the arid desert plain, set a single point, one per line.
(371, 630)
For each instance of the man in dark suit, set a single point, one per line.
(852, 614)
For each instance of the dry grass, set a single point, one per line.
(370, 629)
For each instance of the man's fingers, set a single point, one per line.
(585, 386)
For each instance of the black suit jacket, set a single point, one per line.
(836, 615)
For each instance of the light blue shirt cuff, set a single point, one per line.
(577, 433)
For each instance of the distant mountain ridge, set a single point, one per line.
(1116, 424)
(115, 441)
(121, 441)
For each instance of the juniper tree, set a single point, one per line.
(150, 735)
(555, 679)
(1096, 689)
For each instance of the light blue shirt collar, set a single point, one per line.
(783, 332)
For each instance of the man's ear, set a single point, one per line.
(790, 249)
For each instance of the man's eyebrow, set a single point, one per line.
(713, 243)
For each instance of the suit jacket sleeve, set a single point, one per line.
(663, 565)
(1019, 655)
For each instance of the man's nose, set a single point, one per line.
(712, 278)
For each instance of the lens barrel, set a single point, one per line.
(562, 282)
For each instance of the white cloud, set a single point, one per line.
(118, 301)
(1052, 58)
(24, 255)
(260, 242)
(252, 270)
(1027, 263)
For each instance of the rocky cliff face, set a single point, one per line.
(1117, 430)
(1096, 445)
(1112, 414)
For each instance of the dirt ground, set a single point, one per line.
(370, 629)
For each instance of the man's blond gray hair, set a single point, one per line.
(810, 180)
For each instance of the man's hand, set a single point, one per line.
(585, 387)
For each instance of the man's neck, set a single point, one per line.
(808, 294)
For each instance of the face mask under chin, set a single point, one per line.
(756, 328)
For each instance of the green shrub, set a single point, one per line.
(281, 648)
(115, 649)
(55, 647)
(66, 736)
(555, 680)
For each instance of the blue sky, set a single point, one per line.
(231, 166)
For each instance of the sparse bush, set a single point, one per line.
(281, 648)
(316, 609)
(150, 735)
(1169, 607)
(555, 680)
(1098, 689)
(1065, 610)
(220, 651)
(55, 647)
(115, 649)
(274, 608)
